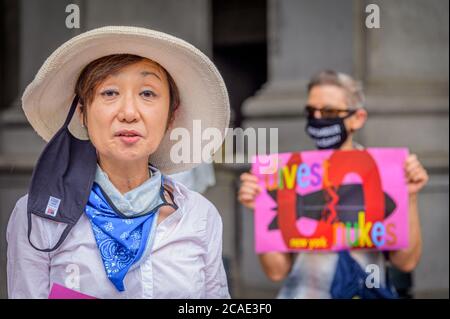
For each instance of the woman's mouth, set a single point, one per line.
(128, 137)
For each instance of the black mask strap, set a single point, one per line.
(64, 234)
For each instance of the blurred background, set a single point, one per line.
(266, 51)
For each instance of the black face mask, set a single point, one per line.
(328, 133)
(62, 180)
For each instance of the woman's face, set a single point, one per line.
(127, 118)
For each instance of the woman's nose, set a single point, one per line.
(128, 111)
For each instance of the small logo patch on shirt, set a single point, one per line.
(52, 206)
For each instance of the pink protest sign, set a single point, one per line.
(61, 292)
(331, 200)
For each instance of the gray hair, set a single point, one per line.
(352, 87)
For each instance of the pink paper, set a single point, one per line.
(61, 292)
(386, 230)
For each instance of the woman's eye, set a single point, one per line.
(147, 94)
(109, 93)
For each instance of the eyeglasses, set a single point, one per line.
(327, 112)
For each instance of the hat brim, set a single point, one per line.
(203, 94)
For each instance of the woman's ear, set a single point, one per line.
(171, 119)
(80, 113)
(358, 120)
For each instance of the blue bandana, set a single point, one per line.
(121, 240)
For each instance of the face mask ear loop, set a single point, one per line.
(164, 189)
(350, 114)
(60, 241)
(72, 109)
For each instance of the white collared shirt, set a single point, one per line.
(185, 260)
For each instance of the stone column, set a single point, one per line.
(406, 75)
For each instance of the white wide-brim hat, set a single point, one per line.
(203, 95)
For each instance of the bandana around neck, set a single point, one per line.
(122, 240)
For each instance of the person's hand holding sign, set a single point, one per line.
(416, 178)
(276, 265)
(249, 190)
(416, 175)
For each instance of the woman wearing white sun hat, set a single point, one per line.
(100, 216)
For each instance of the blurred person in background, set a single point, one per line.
(336, 100)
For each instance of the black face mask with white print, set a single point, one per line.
(328, 133)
